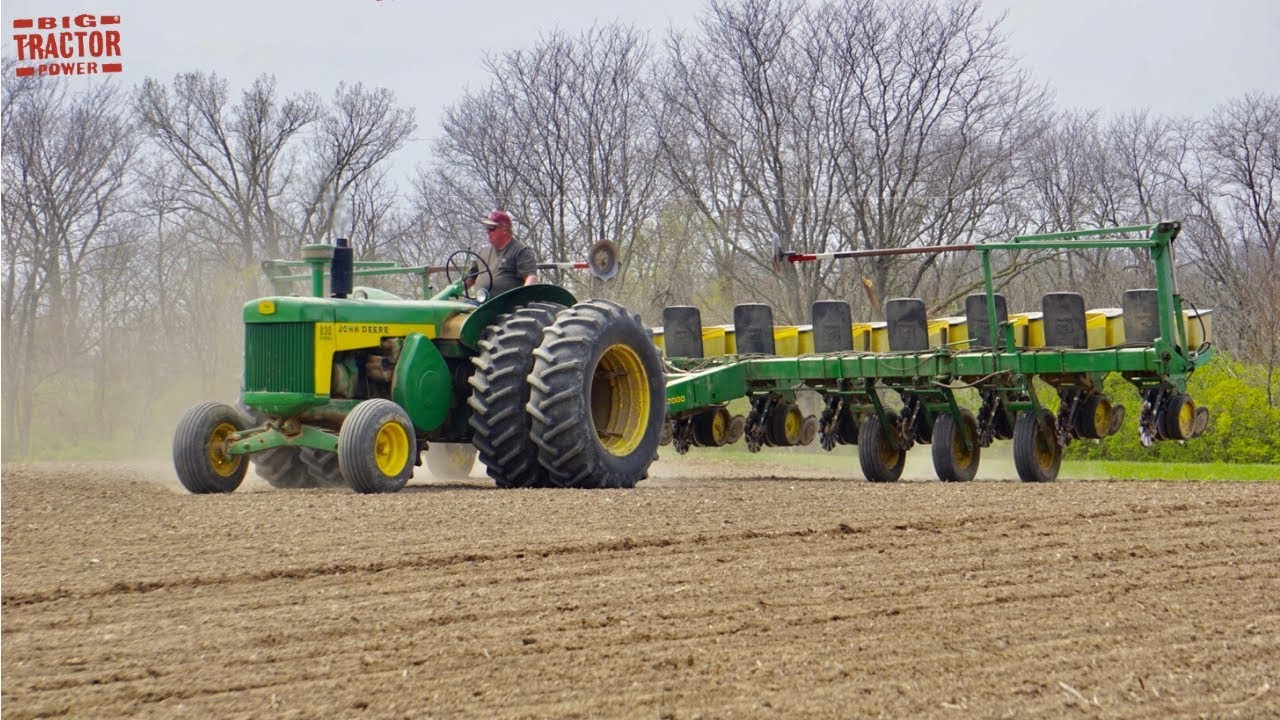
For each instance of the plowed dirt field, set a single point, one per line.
(712, 590)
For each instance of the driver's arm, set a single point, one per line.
(471, 275)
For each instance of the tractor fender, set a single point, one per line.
(488, 313)
(421, 383)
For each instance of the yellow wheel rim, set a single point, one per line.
(1102, 417)
(963, 456)
(888, 455)
(792, 423)
(222, 463)
(1045, 446)
(620, 400)
(1187, 419)
(391, 449)
(720, 426)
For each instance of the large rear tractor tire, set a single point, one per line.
(200, 449)
(880, 457)
(500, 391)
(377, 447)
(952, 460)
(597, 397)
(451, 461)
(1037, 454)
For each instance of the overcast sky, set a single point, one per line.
(1170, 56)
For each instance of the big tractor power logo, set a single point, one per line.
(69, 45)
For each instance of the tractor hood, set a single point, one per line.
(290, 309)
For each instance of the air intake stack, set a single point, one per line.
(341, 271)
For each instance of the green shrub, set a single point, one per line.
(1243, 426)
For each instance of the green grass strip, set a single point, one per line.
(845, 458)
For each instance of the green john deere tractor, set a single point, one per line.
(350, 388)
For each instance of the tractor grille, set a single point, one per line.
(279, 357)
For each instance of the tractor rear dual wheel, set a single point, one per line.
(499, 393)
(597, 397)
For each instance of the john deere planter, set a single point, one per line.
(926, 362)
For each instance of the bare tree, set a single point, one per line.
(941, 113)
(1230, 174)
(356, 134)
(743, 139)
(562, 139)
(238, 160)
(64, 169)
(1083, 171)
(844, 126)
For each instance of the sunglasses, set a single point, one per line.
(495, 227)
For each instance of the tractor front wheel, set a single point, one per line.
(597, 397)
(377, 447)
(200, 449)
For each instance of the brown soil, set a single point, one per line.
(694, 595)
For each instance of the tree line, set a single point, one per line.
(135, 218)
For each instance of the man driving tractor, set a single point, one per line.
(511, 263)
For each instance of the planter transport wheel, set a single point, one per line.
(955, 456)
(1037, 455)
(881, 457)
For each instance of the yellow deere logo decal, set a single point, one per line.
(336, 337)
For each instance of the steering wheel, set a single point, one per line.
(461, 262)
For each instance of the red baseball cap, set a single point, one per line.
(497, 218)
